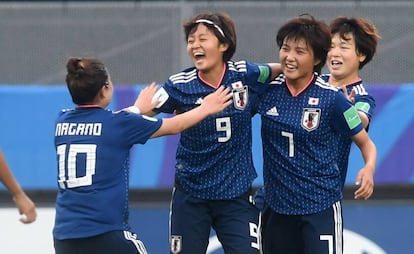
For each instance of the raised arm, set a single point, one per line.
(212, 104)
(276, 70)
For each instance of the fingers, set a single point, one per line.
(28, 218)
(365, 190)
(344, 90)
(351, 96)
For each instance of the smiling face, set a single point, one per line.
(205, 50)
(297, 61)
(343, 60)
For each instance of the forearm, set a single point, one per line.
(181, 122)
(7, 178)
(364, 119)
(369, 153)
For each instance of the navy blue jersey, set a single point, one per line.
(92, 146)
(300, 136)
(214, 158)
(363, 102)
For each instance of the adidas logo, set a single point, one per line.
(272, 112)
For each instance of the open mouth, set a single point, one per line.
(199, 55)
(335, 63)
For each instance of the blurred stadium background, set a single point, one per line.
(142, 41)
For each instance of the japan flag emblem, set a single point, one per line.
(175, 242)
(240, 97)
(311, 118)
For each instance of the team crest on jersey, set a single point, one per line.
(240, 95)
(175, 242)
(311, 118)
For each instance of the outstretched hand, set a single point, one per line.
(217, 101)
(145, 101)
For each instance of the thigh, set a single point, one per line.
(190, 224)
(236, 223)
(113, 242)
(323, 232)
(281, 234)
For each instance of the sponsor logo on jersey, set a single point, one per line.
(272, 112)
(175, 241)
(311, 118)
(240, 96)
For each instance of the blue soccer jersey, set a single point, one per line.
(214, 158)
(364, 103)
(92, 146)
(300, 145)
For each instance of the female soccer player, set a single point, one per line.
(301, 118)
(353, 44)
(214, 165)
(23, 203)
(92, 146)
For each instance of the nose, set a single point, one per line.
(195, 44)
(333, 51)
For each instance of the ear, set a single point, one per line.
(361, 57)
(103, 91)
(223, 47)
(317, 61)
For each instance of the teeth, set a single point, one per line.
(198, 54)
(290, 66)
(335, 62)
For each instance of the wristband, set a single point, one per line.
(134, 109)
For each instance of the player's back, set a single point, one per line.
(93, 146)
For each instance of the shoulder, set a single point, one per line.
(321, 83)
(238, 66)
(279, 80)
(62, 113)
(245, 66)
(325, 77)
(185, 76)
(134, 119)
(360, 88)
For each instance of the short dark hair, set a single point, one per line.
(224, 23)
(314, 32)
(365, 35)
(84, 78)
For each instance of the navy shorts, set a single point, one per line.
(320, 233)
(113, 242)
(236, 222)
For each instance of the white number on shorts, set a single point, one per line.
(224, 124)
(254, 232)
(328, 238)
(70, 177)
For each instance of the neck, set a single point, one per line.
(297, 86)
(213, 77)
(89, 106)
(338, 82)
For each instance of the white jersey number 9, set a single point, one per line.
(224, 124)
